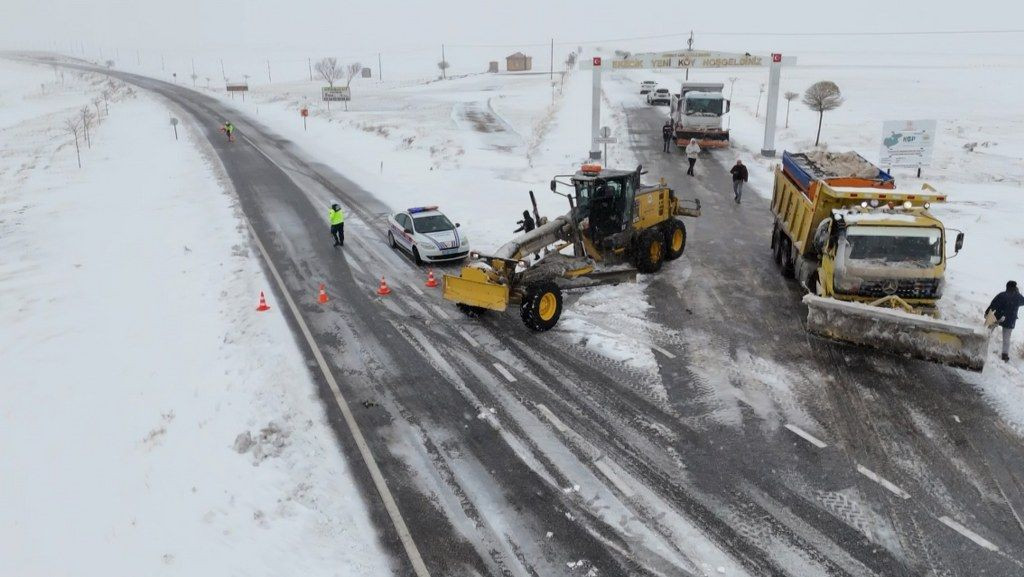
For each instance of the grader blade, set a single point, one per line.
(898, 332)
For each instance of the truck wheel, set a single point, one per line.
(786, 258)
(649, 251)
(541, 306)
(777, 240)
(675, 238)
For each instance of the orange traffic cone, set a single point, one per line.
(431, 281)
(263, 303)
(383, 290)
(323, 295)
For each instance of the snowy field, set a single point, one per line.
(154, 423)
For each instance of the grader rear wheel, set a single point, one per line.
(675, 239)
(649, 252)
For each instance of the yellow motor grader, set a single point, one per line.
(616, 226)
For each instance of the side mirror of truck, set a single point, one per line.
(728, 106)
(554, 185)
(457, 225)
(959, 242)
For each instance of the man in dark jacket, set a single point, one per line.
(666, 135)
(739, 176)
(527, 224)
(1004, 308)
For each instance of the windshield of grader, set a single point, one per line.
(621, 191)
(899, 246)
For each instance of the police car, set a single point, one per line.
(427, 235)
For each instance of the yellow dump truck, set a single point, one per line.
(872, 258)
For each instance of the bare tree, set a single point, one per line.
(72, 127)
(86, 123)
(106, 100)
(96, 102)
(329, 70)
(443, 66)
(821, 97)
(790, 97)
(350, 72)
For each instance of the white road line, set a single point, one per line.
(413, 552)
(416, 289)
(554, 420)
(504, 372)
(355, 266)
(663, 351)
(891, 487)
(806, 436)
(468, 338)
(440, 312)
(978, 539)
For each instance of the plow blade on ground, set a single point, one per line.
(898, 332)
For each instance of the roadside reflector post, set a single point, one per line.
(304, 112)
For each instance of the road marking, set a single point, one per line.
(413, 552)
(806, 436)
(504, 372)
(891, 487)
(416, 289)
(355, 266)
(554, 420)
(440, 311)
(663, 351)
(468, 338)
(978, 539)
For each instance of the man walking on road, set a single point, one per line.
(337, 218)
(692, 150)
(739, 176)
(229, 130)
(666, 135)
(1004, 309)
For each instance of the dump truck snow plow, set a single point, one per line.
(898, 332)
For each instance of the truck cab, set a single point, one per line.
(697, 113)
(875, 250)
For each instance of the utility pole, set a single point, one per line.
(551, 75)
(380, 68)
(269, 81)
(309, 62)
(162, 68)
(689, 48)
(222, 73)
(443, 63)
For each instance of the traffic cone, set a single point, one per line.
(383, 290)
(263, 303)
(431, 281)
(323, 295)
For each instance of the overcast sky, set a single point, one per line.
(387, 25)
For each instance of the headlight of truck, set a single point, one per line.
(848, 284)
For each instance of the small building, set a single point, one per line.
(518, 62)
(492, 66)
(366, 73)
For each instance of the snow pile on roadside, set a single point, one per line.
(132, 358)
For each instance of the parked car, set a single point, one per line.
(647, 85)
(427, 235)
(659, 96)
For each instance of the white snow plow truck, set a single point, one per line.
(871, 257)
(697, 113)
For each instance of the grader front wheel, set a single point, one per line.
(649, 252)
(541, 306)
(675, 239)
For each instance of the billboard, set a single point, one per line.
(237, 87)
(907, 143)
(336, 93)
(683, 59)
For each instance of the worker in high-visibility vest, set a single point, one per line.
(337, 218)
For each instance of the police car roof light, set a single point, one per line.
(416, 209)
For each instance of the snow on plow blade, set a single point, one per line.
(898, 332)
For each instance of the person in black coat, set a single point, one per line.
(527, 224)
(1004, 309)
(666, 135)
(739, 176)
